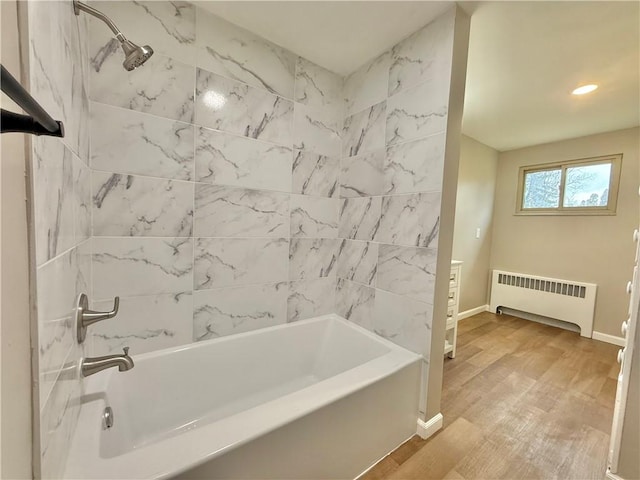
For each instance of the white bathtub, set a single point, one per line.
(321, 398)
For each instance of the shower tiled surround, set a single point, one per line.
(61, 209)
(225, 186)
(214, 177)
(392, 164)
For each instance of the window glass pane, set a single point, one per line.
(587, 186)
(542, 189)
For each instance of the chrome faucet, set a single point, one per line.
(97, 364)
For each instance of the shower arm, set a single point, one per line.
(79, 6)
(135, 55)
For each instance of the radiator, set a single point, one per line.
(565, 300)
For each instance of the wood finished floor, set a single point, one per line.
(521, 400)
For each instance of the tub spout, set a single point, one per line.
(97, 364)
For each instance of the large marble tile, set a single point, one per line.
(233, 52)
(410, 220)
(47, 35)
(162, 86)
(362, 175)
(54, 199)
(317, 130)
(231, 310)
(424, 54)
(141, 266)
(126, 141)
(311, 298)
(364, 131)
(169, 27)
(410, 167)
(59, 68)
(223, 159)
(415, 166)
(408, 271)
(56, 343)
(76, 115)
(358, 261)
(58, 420)
(84, 272)
(418, 111)
(56, 301)
(355, 302)
(128, 205)
(222, 211)
(317, 87)
(57, 285)
(80, 90)
(82, 199)
(403, 321)
(223, 262)
(315, 174)
(368, 85)
(314, 216)
(235, 107)
(144, 324)
(312, 258)
(359, 218)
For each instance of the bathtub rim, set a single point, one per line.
(84, 460)
(236, 336)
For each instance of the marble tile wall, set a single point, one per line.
(391, 173)
(61, 182)
(214, 180)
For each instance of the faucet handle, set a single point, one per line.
(91, 316)
(86, 317)
(126, 351)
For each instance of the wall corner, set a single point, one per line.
(447, 209)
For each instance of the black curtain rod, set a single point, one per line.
(38, 122)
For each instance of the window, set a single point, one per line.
(576, 187)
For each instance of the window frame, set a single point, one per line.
(614, 182)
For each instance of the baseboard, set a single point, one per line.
(605, 337)
(424, 431)
(612, 476)
(431, 426)
(473, 311)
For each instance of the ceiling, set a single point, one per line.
(524, 57)
(340, 36)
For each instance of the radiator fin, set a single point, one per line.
(557, 288)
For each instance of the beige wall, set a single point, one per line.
(474, 210)
(15, 414)
(596, 249)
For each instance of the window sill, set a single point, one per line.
(566, 213)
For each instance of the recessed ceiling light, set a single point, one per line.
(584, 89)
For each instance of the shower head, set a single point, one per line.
(134, 54)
